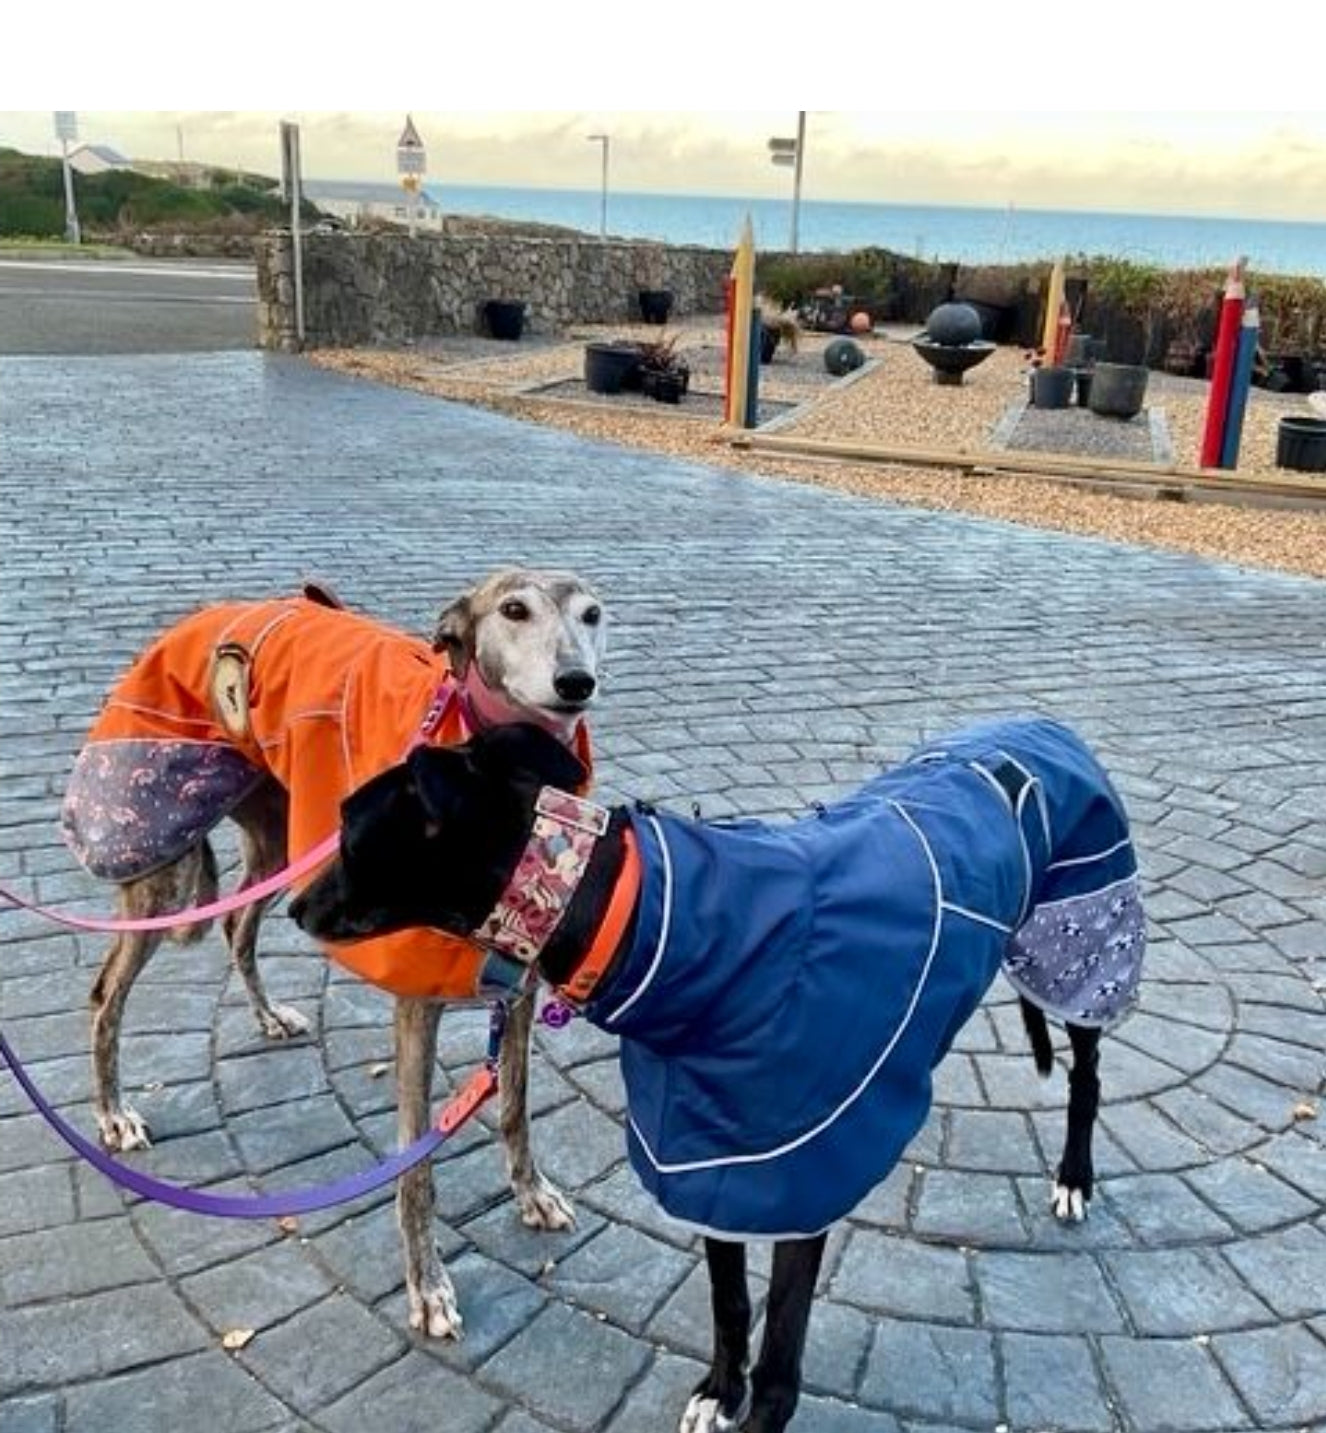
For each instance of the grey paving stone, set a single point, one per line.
(1051, 1382)
(826, 1415)
(837, 1342)
(933, 1372)
(30, 1415)
(1248, 1194)
(1280, 1372)
(322, 1352)
(1161, 1209)
(980, 1209)
(35, 1199)
(1045, 1293)
(1284, 1269)
(568, 1367)
(1297, 1159)
(621, 1273)
(1169, 1384)
(208, 1389)
(993, 1141)
(414, 1395)
(49, 1345)
(657, 1401)
(495, 1304)
(258, 1290)
(76, 1259)
(1183, 1291)
(893, 1276)
(500, 1233)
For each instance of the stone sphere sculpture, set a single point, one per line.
(952, 325)
(842, 356)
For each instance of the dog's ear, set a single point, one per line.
(521, 748)
(443, 777)
(455, 633)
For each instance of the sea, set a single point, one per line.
(949, 233)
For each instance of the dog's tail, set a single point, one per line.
(1038, 1032)
(199, 882)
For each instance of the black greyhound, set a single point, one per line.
(783, 993)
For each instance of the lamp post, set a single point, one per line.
(66, 131)
(604, 140)
(789, 152)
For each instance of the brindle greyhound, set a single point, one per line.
(782, 993)
(245, 711)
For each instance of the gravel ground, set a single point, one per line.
(894, 402)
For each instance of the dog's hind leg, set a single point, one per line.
(261, 818)
(718, 1399)
(428, 1287)
(776, 1381)
(1074, 1181)
(187, 881)
(542, 1205)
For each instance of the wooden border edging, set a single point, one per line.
(1171, 479)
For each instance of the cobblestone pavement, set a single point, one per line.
(773, 644)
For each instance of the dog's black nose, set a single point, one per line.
(574, 686)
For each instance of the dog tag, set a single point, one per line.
(230, 688)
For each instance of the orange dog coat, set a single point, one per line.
(317, 698)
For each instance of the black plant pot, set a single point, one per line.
(612, 367)
(1118, 390)
(1301, 444)
(1052, 387)
(504, 318)
(769, 341)
(655, 305)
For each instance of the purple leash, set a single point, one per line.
(481, 1085)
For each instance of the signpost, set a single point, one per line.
(292, 187)
(66, 131)
(787, 153)
(411, 165)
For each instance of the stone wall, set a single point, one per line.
(389, 288)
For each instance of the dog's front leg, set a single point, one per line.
(432, 1298)
(542, 1205)
(776, 1381)
(717, 1400)
(1076, 1175)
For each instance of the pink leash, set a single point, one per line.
(447, 694)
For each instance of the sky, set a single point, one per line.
(1164, 109)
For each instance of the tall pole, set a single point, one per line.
(796, 177)
(604, 140)
(71, 230)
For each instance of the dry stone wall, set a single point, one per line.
(389, 288)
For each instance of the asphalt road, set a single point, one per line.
(88, 306)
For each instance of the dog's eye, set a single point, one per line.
(514, 610)
(591, 616)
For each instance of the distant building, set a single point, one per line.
(96, 159)
(186, 173)
(354, 202)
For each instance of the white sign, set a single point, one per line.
(411, 161)
(66, 125)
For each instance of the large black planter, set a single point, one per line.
(1052, 387)
(1301, 444)
(1118, 390)
(611, 367)
(504, 318)
(655, 305)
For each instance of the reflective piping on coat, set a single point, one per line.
(978, 918)
(1089, 860)
(663, 929)
(866, 1081)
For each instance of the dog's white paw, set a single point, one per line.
(435, 1313)
(1069, 1204)
(124, 1129)
(543, 1206)
(282, 1022)
(703, 1415)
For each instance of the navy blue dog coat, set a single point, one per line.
(788, 990)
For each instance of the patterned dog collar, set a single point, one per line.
(565, 831)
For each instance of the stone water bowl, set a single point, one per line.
(952, 342)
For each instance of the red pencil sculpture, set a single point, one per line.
(1226, 351)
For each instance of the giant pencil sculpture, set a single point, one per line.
(1222, 376)
(1241, 385)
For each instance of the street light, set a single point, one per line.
(790, 152)
(604, 140)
